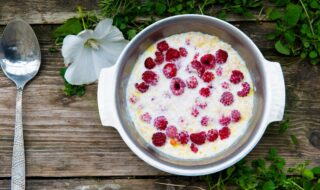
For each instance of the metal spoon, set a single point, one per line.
(20, 61)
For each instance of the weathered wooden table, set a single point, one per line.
(66, 146)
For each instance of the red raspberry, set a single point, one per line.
(212, 135)
(201, 104)
(224, 133)
(208, 61)
(192, 82)
(159, 139)
(207, 76)
(172, 54)
(219, 71)
(221, 56)
(235, 115)
(150, 77)
(163, 46)
(183, 52)
(226, 98)
(196, 64)
(201, 71)
(205, 92)
(159, 58)
(160, 122)
(205, 121)
(133, 99)
(183, 137)
(142, 87)
(177, 86)
(225, 85)
(225, 120)
(236, 76)
(146, 117)
(194, 112)
(171, 131)
(170, 70)
(194, 148)
(198, 138)
(245, 90)
(149, 63)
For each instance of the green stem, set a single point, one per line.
(305, 10)
(298, 186)
(82, 17)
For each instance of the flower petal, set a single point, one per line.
(70, 48)
(103, 28)
(112, 50)
(81, 71)
(86, 34)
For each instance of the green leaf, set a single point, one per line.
(69, 89)
(269, 185)
(307, 185)
(290, 36)
(160, 8)
(71, 26)
(131, 33)
(292, 15)
(313, 54)
(308, 174)
(294, 140)
(314, 4)
(274, 14)
(316, 170)
(284, 125)
(230, 170)
(282, 48)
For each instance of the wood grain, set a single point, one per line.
(110, 184)
(64, 137)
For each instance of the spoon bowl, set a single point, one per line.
(20, 60)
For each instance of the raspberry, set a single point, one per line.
(183, 52)
(196, 55)
(194, 112)
(133, 99)
(201, 71)
(225, 85)
(159, 139)
(200, 104)
(194, 148)
(225, 120)
(146, 117)
(171, 131)
(196, 64)
(208, 61)
(198, 138)
(142, 87)
(183, 137)
(150, 77)
(172, 54)
(204, 121)
(170, 70)
(245, 90)
(224, 133)
(226, 98)
(160, 122)
(219, 71)
(149, 63)
(205, 92)
(221, 56)
(235, 115)
(192, 82)
(236, 76)
(212, 135)
(207, 76)
(159, 58)
(177, 86)
(162, 46)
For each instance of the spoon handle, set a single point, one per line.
(18, 159)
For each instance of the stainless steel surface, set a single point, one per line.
(20, 61)
(114, 110)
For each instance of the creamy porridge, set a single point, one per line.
(190, 95)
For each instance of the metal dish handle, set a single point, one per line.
(276, 90)
(106, 96)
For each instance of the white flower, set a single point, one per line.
(90, 51)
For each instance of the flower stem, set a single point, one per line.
(82, 17)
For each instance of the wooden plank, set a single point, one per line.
(43, 12)
(185, 183)
(64, 138)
